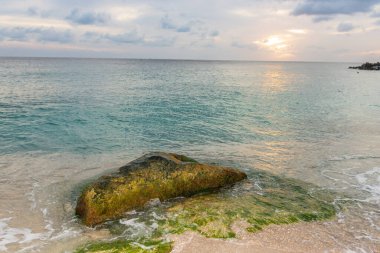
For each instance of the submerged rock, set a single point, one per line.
(155, 175)
(125, 246)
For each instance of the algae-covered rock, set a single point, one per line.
(273, 200)
(125, 246)
(155, 175)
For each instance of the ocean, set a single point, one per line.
(65, 121)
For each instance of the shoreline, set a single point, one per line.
(313, 237)
(318, 231)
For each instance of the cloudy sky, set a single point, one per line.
(303, 30)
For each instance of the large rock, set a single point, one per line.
(155, 175)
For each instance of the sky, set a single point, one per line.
(261, 30)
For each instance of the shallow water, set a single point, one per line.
(63, 121)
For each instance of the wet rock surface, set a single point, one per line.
(155, 175)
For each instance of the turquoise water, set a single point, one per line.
(97, 106)
(64, 120)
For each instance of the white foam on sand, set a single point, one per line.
(10, 235)
(369, 181)
(27, 238)
(366, 182)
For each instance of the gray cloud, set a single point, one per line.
(132, 38)
(160, 41)
(214, 33)
(345, 27)
(91, 36)
(333, 7)
(127, 38)
(167, 23)
(37, 34)
(15, 33)
(52, 35)
(87, 18)
(183, 29)
(322, 18)
(243, 45)
(195, 27)
(36, 12)
(32, 11)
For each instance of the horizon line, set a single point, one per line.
(165, 59)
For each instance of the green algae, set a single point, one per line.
(279, 201)
(126, 246)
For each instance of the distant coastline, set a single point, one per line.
(368, 66)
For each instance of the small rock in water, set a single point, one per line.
(367, 66)
(67, 207)
(153, 202)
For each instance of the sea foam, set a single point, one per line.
(9, 235)
(369, 181)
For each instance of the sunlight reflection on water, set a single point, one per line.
(65, 121)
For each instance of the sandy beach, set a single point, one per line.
(296, 238)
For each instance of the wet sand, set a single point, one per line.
(301, 237)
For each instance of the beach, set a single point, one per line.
(65, 122)
(304, 237)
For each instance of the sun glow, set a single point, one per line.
(297, 31)
(273, 42)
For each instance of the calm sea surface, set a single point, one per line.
(63, 121)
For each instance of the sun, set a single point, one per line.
(274, 43)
